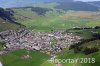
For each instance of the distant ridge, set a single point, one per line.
(64, 4)
(77, 6)
(96, 3)
(21, 3)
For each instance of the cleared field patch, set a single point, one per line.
(80, 14)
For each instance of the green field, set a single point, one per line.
(84, 33)
(71, 55)
(91, 44)
(14, 58)
(56, 19)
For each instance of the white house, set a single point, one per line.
(1, 64)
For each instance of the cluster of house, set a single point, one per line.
(44, 41)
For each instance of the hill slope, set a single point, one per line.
(6, 20)
(20, 3)
(96, 3)
(55, 19)
(7, 25)
(77, 6)
(64, 4)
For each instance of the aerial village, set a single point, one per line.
(51, 42)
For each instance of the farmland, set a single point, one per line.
(56, 19)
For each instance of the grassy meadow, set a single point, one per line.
(15, 58)
(56, 19)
